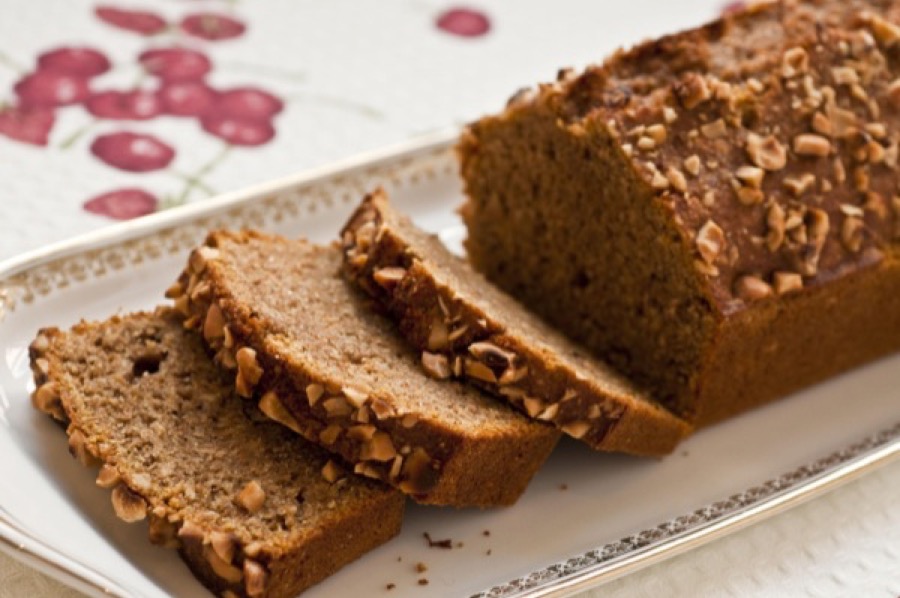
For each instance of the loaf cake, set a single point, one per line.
(310, 349)
(464, 327)
(716, 212)
(253, 509)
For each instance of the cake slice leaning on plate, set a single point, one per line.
(301, 340)
(253, 509)
(465, 327)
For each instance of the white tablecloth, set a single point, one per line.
(328, 80)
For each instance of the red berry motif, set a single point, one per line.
(212, 27)
(27, 124)
(186, 98)
(122, 204)
(124, 105)
(137, 21)
(76, 61)
(464, 22)
(238, 131)
(175, 64)
(50, 88)
(248, 103)
(132, 152)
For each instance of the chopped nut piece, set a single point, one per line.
(646, 144)
(549, 414)
(249, 370)
(46, 399)
(379, 448)
(409, 420)
(533, 406)
(766, 152)
(821, 124)
(438, 337)
(787, 282)
(78, 448)
(799, 186)
(128, 505)
(332, 472)
(225, 571)
(807, 144)
(659, 181)
(354, 396)
(330, 434)
(795, 61)
(337, 407)
(714, 129)
(669, 114)
(692, 164)
(884, 31)
(709, 199)
(491, 355)
(314, 392)
(693, 91)
(388, 277)
(750, 175)
(251, 497)
(676, 179)
(710, 241)
(576, 429)
(200, 257)
(775, 221)
(362, 433)
(479, 371)
(752, 288)
(275, 410)
(224, 545)
(108, 476)
(436, 365)
(255, 578)
(893, 93)
(657, 133)
(852, 233)
(512, 374)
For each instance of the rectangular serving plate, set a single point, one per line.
(586, 518)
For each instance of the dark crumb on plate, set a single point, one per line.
(421, 567)
(448, 543)
(488, 552)
(390, 586)
(486, 532)
(685, 454)
(423, 582)
(563, 487)
(459, 544)
(399, 558)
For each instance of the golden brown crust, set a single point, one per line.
(417, 452)
(227, 552)
(532, 367)
(768, 142)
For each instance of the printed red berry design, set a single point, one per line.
(238, 131)
(212, 27)
(132, 151)
(136, 21)
(175, 64)
(124, 105)
(76, 61)
(122, 204)
(248, 103)
(27, 124)
(51, 88)
(464, 22)
(186, 98)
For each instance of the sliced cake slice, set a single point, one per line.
(253, 509)
(303, 341)
(465, 327)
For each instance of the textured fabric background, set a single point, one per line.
(326, 80)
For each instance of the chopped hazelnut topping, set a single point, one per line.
(692, 164)
(693, 91)
(657, 133)
(669, 114)
(251, 497)
(766, 152)
(332, 472)
(314, 392)
(884, 31)
(800, 185)
(714, 129)
(811, 145)
(893, 93)
(821, 124)
(795, 61)
(709, 199)
(752, 288)
(128, 505)
(750, 175)
(710, 241)
(646, 144)
(576, 429)
(387, 278)
(852, 233)
(676, 179)
(750, 196)
(436, 365)
(776, 227)
(787, 282)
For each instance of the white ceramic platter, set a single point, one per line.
(585, 519)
